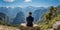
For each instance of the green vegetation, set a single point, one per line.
(49, 25)
(2, 23)
(49, 19)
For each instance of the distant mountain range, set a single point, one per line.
(19, 14)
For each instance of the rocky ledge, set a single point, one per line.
(24, 27)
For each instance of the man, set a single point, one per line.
(30, 20)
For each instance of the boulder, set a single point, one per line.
(24, 27)
(56, 26)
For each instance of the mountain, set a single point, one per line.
(30, 9)
(38, 14)
(19, 18)
(4, 10)
(12, 12)
(4, 18)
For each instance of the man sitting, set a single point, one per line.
(30, 20)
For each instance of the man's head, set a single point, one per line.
(30, 13)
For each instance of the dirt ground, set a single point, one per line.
(2, 27)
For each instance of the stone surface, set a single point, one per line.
(56, 26)
(24, 27)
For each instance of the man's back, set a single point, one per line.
(30, 20)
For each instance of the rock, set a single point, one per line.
(24, 27)
(56, 26)
(50, 29)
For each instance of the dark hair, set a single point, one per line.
(30, 12)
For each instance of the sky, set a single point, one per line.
(25, 3)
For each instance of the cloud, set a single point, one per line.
(8, 0)
(28, 1)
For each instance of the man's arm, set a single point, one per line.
(32, 19)
(27, 19)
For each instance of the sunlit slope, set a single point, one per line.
(3, 27)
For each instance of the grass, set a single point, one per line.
(49, 25)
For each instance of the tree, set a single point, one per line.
(52, 13)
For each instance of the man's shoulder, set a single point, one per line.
(27, 17)
(30, 17)
(33, 17)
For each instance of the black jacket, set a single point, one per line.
(29, 20)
